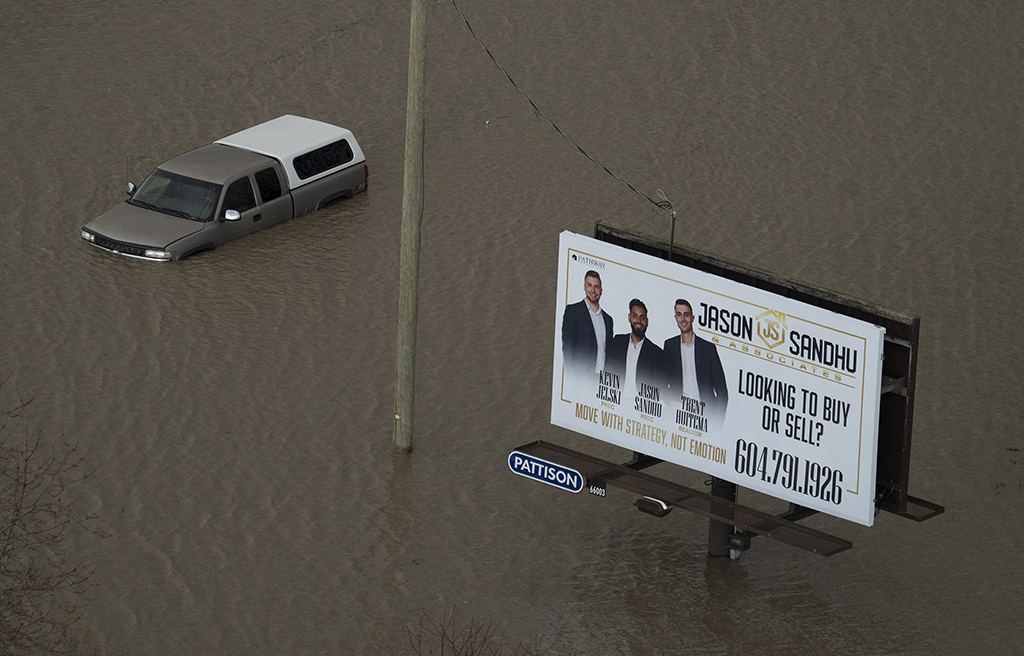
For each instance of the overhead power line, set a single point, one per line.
(663, 204)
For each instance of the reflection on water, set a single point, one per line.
(237, 405)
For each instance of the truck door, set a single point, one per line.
(275, 206)
(239, 197)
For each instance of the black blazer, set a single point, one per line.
(710, 376)
(650, 365)
(579, 343)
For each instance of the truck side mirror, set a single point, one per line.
(232, 215)
(130, 189)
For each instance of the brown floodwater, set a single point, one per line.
(237, 406)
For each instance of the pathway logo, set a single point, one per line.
(771, 328)
(588, 261)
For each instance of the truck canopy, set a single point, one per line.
(287, 137)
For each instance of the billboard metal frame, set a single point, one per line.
(899, 367)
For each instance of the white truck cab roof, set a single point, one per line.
(287, 137)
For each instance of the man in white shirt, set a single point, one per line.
(637, 359)
(693, 366)
(586, 330)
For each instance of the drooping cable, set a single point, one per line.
(664, 204)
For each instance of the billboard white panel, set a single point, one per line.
(749, 386)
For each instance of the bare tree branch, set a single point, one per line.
(445, 637)
(41, 582)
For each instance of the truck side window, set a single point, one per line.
(239, 196)
(322, 159)
(269, 184)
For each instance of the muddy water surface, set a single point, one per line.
(237, 406)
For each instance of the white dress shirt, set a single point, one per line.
(689, 370)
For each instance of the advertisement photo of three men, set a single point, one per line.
(683, 374)
(702, 371)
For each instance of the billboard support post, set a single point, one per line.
(719, 532)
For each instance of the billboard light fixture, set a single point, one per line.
(652, 506)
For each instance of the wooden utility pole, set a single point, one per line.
(412, 214)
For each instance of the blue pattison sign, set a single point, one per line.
(561, 477)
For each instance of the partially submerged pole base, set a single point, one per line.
(719, 533)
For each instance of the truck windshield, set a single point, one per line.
(178, 195)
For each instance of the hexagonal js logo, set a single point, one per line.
(771, 328)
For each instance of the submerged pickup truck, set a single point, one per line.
(248, 181)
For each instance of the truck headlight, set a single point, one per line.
(158, 255)
(88, 236)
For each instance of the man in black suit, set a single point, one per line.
(636, 359)
(694, 370)
(586, 330)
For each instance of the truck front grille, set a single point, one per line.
(119, 247)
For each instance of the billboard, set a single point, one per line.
(749, 386)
